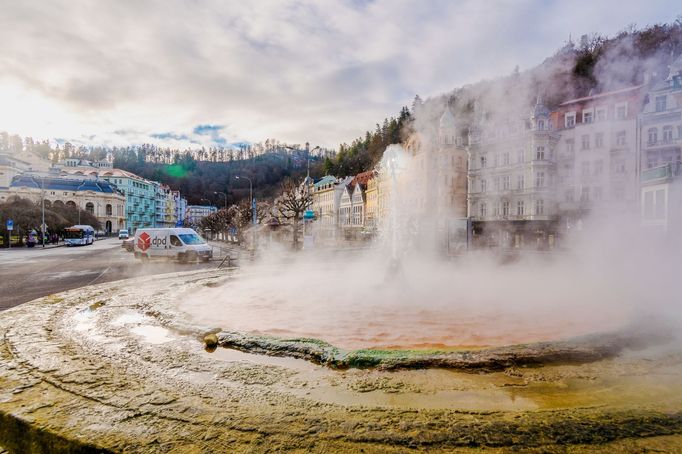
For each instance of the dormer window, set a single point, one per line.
(601, 114)
(541, 125)
(570, 120)
(588, 116)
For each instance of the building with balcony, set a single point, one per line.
(512, 179)
(661, 120)
(597, 154)
(661, 197)
(141, 194)
(352, 207)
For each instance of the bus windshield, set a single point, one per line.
(191, 238)
(73, 234)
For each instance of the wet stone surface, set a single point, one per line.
(117, 367)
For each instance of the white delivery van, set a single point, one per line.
(123, 234)
(181, 244)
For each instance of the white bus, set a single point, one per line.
(79, 235)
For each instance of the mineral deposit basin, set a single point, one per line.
(395, 315)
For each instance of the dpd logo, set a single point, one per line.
(144, 241)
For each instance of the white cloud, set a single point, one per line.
(293, 70)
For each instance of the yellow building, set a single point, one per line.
(372, 204)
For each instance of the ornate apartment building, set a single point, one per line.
(661, 157)
(512, 197)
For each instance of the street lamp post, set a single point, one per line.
(224, 195)
(253, 211)
(42, 225)
(251, 201)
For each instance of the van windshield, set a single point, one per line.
(191, 238)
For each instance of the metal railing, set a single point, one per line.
(664, 172)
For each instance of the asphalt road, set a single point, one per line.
(27, 274)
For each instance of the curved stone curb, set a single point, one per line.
(75, 378)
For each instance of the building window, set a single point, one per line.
(541, 125)
(599, 140)
(585, 195)
(588, 116)
(585, 142)
(601, 114)
(506, 183)
(667, 134)
(570, 145)
(519, 182)
(598, 167)
(539, 207)
(570, 120)
(505, 208)
(484, 162)
(505, 159)
(484, 185)
(585, 168)
(597, 193)
(653, 135)
(540, 153)
(90, 207)
(620, 138)
(519, 208)
(660, 103)
(108, 209)
(620, 167)
(540, 179)
(484, 209)
(621, 111)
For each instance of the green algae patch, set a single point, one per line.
(579, 350)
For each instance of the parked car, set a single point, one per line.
(123, 234)
(128, 244)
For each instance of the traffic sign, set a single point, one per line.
(10, 224)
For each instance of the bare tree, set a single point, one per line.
(293, 202)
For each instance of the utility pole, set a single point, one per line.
(42, 226)
(252, 201)
(224, 195)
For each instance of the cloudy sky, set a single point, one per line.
(217, 72)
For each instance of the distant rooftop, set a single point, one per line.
(62, 184)
(601, 95)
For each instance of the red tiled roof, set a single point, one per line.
(362, 178)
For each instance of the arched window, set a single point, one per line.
(108, 209)
(90, 207)
(653, 135)
(58, 203)
(71, 204)
(48, 204)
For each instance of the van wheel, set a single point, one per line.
(192, 257)
(182, 258)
